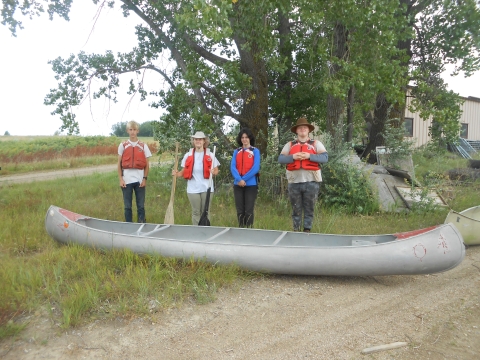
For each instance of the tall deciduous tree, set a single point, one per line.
(438, 32)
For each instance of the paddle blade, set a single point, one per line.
(204, 221)
(169, 218)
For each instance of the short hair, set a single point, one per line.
(205, 144)
(249, 133)
(132, 124)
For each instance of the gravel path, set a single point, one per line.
(287, 317)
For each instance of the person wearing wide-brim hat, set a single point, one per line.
(302, 158)
(197, 164)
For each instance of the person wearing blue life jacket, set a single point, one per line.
(245, 167)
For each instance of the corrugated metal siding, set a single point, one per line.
(420, 127)
(470, 116)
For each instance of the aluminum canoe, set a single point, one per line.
(468, 223)
(425, 251)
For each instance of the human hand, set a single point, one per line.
(122, 184)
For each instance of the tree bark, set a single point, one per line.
(350, 103)
(335, 104)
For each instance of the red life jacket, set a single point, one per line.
(133, 157)
(309, 147)
(244, 160)
(207, 164)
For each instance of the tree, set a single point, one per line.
(252, 61)
(119, 129)
(146, 129)
(438, 32)
(6, 133)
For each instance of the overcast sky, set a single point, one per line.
(27, 77)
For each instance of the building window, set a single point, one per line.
(464, 131)
(408, 127)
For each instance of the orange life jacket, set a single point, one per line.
(133, 157)
(309, 147)
(190, 161)
(245, 159)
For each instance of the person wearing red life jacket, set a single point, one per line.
(133, 168)
(245, 168)
(302, 158)
(196, 167)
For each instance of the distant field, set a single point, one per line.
(20, 154)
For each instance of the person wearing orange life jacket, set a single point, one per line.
(133, 168)
(302, 158)
(196, 167)
(244, 167)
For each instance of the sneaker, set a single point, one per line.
(306, 230)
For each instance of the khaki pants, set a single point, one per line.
(197, 201)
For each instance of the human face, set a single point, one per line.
(245, 141)
(132, 133)
(303, 131)
(199, 143)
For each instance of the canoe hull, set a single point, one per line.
(422, 252)
(468, 223)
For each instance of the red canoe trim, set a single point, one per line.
(405, 235)
(70, 215)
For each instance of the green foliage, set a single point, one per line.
(6, 133)
(346, 188)
(119, 129)
(398, 146)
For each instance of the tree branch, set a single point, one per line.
(217, 96)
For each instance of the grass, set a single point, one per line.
(72, 284)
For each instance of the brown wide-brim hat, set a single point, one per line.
(302, 121)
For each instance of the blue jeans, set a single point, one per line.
(139, 198)
(303, 197)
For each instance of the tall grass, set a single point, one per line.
(72, 284)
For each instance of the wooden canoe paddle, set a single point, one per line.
(169, 217)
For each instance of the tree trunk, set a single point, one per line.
(384, 109)
(284, 81)
(254, 114)
(335, 104)
(351, 100)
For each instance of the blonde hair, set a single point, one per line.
(205, 144)
(132, 124)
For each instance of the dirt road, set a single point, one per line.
(287, 317)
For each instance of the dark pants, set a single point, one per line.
(303, 197)
(139, 198)
(245, 202)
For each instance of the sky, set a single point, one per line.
(27, 77)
